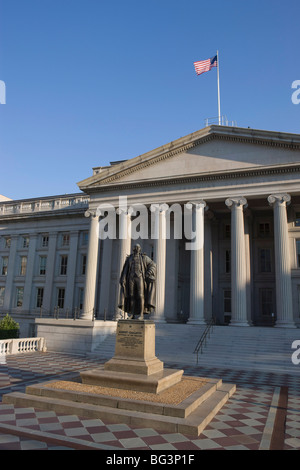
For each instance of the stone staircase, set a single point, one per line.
(254, 348)
(246, 348)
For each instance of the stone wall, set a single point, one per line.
(74, 336)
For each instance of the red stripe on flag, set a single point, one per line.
(204, 66)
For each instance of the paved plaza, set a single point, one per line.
(263, 414)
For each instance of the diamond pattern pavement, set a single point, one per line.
(239, 425)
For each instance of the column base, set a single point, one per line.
(283, 324)
(86, 317)
(196, 322)
(239, 323)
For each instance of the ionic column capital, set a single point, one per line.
(236, 202)
(200, 204)
(279, 199)
(124, 210)
(159, 208)
(90, 213)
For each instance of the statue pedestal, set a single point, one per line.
(134, 365)
(135, 348)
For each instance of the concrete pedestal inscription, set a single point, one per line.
(135, 339)
(130, 339)
(135, 348)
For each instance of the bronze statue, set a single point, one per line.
(137, 295)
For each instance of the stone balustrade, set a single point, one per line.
(21, 345)
(41, 205)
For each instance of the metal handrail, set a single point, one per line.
(205, 334)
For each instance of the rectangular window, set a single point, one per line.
(4, 265)
(65, 240)
(42, 266)
(83, 264)
(25, 242)
(265, 260)
(227, 301)
(20, 294)
(227, 261)
(298, 253)
(7, 242)
(45, 241)
(61, 298)
(2, 292)
(264, 229)
(39, 297)
(297, 221)
(227, 231)
(85, 238)
(81, 296)
(63, 265)
(23, 265)
(266, 301)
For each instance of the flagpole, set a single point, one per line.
(219, 105)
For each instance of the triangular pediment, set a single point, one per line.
(212, 150)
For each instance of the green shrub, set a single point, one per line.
(9, 328)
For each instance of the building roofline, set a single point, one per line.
(44, 198)
(107, 175)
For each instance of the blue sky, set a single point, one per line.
(93, 81)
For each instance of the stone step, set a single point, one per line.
(190, 417)
(125, 402)
(243, 365)
(261, 348)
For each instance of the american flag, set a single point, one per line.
(205, 65)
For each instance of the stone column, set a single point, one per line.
(248, 238)
(72, 259)
(9, 295)
(124, 246)
(172, 279)
(105, 309)
(284, 303)
(160, 235)
(208, 264)
(238, 265)
(50, 268)
(29, 272)
(197, 264)
(91, 268)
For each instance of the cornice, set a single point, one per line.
(203, 177)
(45, 215)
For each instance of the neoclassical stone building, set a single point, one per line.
(235, 191)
